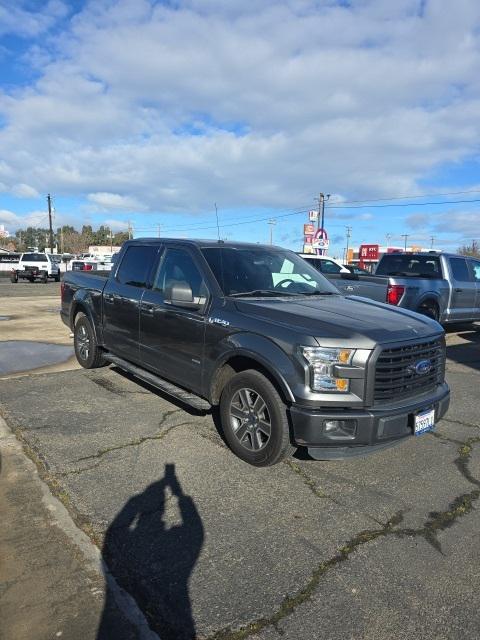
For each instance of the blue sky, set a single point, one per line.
(152, 112)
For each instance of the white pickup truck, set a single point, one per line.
(36, 266)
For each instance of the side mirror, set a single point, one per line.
(179, 293)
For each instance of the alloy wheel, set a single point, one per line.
(250, 419)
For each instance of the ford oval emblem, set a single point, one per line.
(423, 366)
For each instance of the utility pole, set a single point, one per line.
(49, 202)
(320, 211)
(111, 241)
(130, 231)
(406, 236)
(432, 240)
(349, 231)
(272, 222)
(61, 239)
(387, 238)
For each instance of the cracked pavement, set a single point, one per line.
(380, 547)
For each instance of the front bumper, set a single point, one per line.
(375, 428)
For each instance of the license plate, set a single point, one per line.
(424, 422)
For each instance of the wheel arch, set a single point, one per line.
(243, 361)
(81, 304)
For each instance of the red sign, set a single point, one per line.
(308, 239)
(368, 252)
(308, 229)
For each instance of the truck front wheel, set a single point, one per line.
(88, 353)
(254, 419)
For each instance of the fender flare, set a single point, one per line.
(261, 350)
(81, 302)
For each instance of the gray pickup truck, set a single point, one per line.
(443, 286)
(257, 332)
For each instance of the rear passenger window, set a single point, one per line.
(136, 265)
(460, 270)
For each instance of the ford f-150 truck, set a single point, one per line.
(444, 286)
(257, 332)
(32, 266)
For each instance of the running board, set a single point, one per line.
(168, 387)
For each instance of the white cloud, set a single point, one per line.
(140, 105)
(116, 225)
(17, 19)
(24, 191)
(106, 201)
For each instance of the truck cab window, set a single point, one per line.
(460, 270)
(136, 265)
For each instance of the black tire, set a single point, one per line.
(87, 351)
(31, 280)
(45, 278)
(57, 278)
(246, 428)
(14, 278)
(430, 309)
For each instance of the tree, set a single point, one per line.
(470, 250)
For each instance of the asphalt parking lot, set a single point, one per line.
(386, 546)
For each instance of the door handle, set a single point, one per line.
(458, 290)
(148, 308)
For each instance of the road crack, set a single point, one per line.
(132, 443)
(437, 522)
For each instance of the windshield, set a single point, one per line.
(34, 257)
(251, 271)
(409, 265)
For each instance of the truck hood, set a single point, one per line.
(357, 322)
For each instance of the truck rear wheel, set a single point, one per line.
(14, 277)
(429, 308)
(87, 351)
(254, 419)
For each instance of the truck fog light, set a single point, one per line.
(340, 429)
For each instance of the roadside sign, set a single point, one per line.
(313, 215)
(308, 229)
(320, 241)
(369, 251)
(308, 239)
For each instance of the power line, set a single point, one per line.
(408, 204)
(410, 197)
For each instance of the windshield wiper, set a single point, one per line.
(262, 292)
(320, 293)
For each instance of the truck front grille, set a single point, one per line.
(397, 374)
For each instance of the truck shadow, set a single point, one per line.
(154, 562)
(467, 353)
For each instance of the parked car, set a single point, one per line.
(324, 264)
(36, 266)
(261, 334)
(346, 281)
(443, 286)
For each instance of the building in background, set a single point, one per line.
(3, 232)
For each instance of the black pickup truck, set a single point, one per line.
(256, 331)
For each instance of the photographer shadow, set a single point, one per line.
(153, 563)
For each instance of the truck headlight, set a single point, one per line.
(321, 361)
